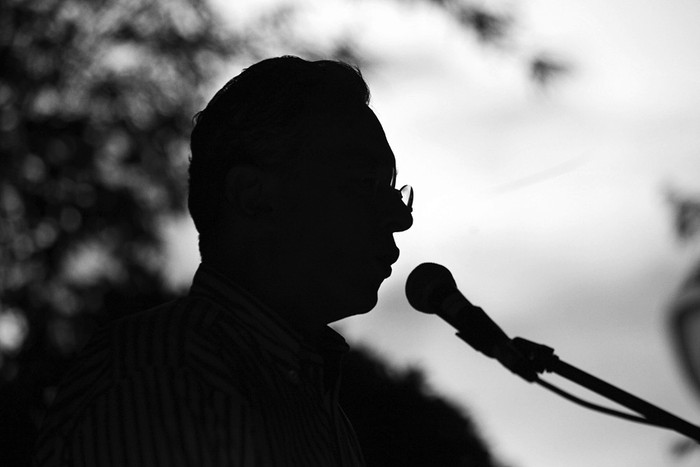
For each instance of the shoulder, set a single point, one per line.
(158, 372)
(160, 337)
(190, 338)
(155, 340)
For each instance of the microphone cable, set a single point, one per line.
(595, 407)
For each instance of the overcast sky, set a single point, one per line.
(547, 206)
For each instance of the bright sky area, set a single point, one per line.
(548, 206)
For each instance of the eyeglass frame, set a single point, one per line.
(406, 191)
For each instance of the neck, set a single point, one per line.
(273, 296)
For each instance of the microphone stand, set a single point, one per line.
(543, 359)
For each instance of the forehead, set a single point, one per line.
(351, 143)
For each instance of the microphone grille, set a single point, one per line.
(426, 284)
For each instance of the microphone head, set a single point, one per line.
(427, 285)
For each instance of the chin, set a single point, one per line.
(364, 306)
(357, 307)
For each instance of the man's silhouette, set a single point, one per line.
(292, 190)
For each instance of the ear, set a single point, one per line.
(247, 189)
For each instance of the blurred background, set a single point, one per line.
(554, 150)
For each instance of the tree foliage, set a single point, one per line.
(95, 107)
(400, 423)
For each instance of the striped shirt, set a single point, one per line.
(211, 379)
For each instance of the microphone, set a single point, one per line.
(430, 288)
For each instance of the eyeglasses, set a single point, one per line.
(407, 196)
(372, 186)
(405, 191)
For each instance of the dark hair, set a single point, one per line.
(263, 117)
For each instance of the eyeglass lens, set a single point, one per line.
(407, 195)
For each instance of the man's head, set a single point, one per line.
(263, 117)
(291, 188)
